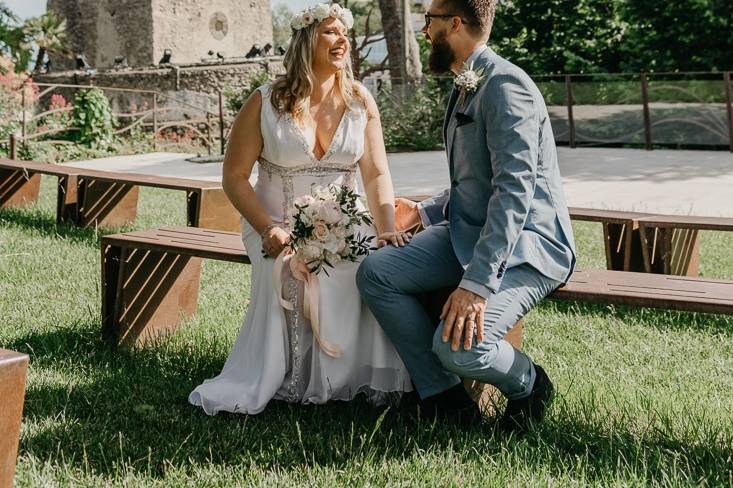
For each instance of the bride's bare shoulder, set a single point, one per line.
(369, 103)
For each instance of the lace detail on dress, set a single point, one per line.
(319, 168)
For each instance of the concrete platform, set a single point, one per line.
(664, 181)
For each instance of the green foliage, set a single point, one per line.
(93, 118)
(582, 36)
(48, 34)
(236, 97)
(415, 122)
(685, 35)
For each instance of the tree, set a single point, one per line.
(362, 37)
(559, 36)
(393, 28)
(12, 39)
(685, 35)
(48, 33)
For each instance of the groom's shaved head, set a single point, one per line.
(479, 14)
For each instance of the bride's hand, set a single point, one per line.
(274, 241)
(397, 239)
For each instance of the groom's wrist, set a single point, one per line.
(477, 288)
(424, 219)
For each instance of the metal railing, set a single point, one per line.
(165, 113)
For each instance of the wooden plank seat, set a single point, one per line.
(150, 279)
(13, 371)
(109, 199)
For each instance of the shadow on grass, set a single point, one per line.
(117, 411)
(670, 320)
(44, 223)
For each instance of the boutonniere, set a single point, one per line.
(468, 81)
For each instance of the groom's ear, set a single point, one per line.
(462, 119)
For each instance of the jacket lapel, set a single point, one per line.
(450, 123)
(449, 113)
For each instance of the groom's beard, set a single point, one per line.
(442, 56)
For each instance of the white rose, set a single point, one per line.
(310, 253)
(321, 11)
(329, 212)
(332, 243)
(304, 201)
(333, 258)
(335, 10)
(347, 18)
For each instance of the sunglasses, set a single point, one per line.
(429, 18)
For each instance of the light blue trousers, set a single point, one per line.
(390, 280)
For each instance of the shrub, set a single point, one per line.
(92, 117)
(415, 123)
(236, 97)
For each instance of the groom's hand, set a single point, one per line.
(463, 314)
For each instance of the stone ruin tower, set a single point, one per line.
(141, 30)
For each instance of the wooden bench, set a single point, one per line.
(109, 199)
(150, 281)
(13, 371)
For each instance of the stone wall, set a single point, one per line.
(186, 90)
(140, 30)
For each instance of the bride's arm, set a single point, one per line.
(243, 149)
(377, 180)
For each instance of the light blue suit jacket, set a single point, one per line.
(506, 204)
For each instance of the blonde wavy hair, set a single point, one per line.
(291, 92)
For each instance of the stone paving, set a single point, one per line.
(664, 181)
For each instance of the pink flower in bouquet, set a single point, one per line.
(320, 231)
(330, 212)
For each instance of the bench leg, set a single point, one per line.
(146, 294)
(18, 188)
(106, 204)
(13, 370)
(671, 251)
(67, 203)
(487, 396)
(623, 247)
(211, 209)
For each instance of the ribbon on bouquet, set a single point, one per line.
(311, 296)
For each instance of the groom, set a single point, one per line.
(500, 236)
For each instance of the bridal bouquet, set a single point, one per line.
(323, 228)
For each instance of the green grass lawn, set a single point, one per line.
(644, 396)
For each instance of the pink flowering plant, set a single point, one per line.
(324, 228)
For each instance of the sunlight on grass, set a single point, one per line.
(644, 396)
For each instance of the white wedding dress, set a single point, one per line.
(275, 355)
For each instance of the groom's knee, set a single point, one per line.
(461, 362)
(370, 276)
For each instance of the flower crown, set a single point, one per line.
(320, 12)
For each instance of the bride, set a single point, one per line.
(313, 127)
